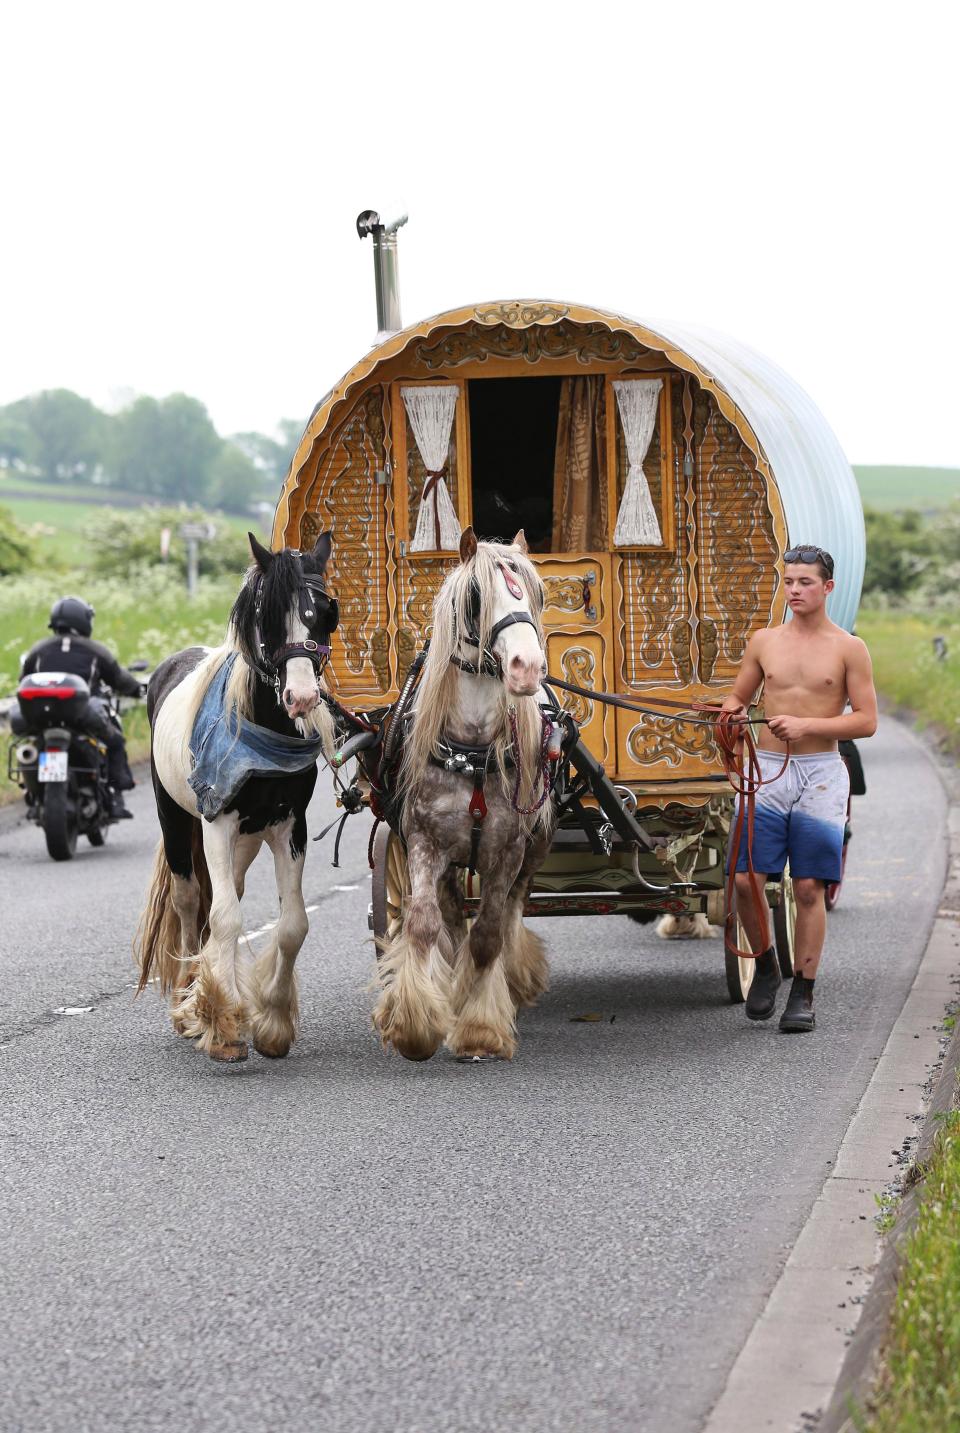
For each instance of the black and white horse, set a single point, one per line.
(270, 671)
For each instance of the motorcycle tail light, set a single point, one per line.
(61, 694)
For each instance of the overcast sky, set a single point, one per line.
(181, 183)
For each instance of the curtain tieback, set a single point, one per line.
(435, 476)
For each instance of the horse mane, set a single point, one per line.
(437, 693)
(278, 593)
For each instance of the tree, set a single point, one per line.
(15, 440)
(235, 483)
(900, 550)
(15, 551)
(164, 448)
(66, 433)
(271, 455)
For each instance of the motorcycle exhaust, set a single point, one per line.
(27, 754)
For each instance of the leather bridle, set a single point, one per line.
(489, 664)
(269, 664)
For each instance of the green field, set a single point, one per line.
(908, 673)
(926, 489)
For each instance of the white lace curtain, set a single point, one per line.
(637, 399)
(431, 412)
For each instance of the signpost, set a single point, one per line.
(193, 533)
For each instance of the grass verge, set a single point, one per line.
(919, 1391)
(908, 672)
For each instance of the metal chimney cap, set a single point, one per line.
(369, 222)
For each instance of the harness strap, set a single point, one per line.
(478, 810)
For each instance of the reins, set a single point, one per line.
(741, 765)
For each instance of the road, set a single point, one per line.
(579, 1240)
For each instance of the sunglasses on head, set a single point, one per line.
(809, 554)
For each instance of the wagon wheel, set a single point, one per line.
(832, 893)
(391, 885)
(785, 925)
(739, 972)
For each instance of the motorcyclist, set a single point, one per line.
(72, 649)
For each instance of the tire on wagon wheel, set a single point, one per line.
(739, 972)
(831, 893)
(390, 885)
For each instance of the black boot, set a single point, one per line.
(762, 995)
(118, 810)
(798, 1016)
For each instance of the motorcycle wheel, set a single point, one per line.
(59, 822)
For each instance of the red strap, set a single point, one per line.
(738, 752)
(478, 802)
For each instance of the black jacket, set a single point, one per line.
(83, 658)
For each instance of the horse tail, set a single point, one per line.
(156, 946)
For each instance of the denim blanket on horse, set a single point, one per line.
(227, 752)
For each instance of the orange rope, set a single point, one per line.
(738, 752)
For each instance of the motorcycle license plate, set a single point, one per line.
(53, 766)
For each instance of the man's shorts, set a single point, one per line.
(799, 817)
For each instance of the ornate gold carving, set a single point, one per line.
(422, 579)
(521, 315)
(578, 665)
(661, 741)
(310, 530)
(586, 342)
(564, 592)
(406, 651)
(739, 535)
(709, 647)
(346, 478)
(380, 657)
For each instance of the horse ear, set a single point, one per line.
(323, 547)
(468, 544)
(521, 541)
(262, 556)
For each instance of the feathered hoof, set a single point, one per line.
(411, 1021)
(232, 1054)
(473, 1041)
(416, 1048)
(279, 1050)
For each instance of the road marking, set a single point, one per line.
(314, 906)
(72, 1009)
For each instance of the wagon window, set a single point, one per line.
(513, 439)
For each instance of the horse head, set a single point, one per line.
(498, 602)
(283, 620)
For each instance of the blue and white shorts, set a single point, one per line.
(799, 817)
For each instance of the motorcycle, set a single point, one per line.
(60, 761)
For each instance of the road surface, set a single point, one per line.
(579, 1240)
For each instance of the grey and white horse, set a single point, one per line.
(476, 788)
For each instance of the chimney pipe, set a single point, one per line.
(384, 268)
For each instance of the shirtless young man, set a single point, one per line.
(810, 669)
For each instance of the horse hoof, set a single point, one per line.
(232, 1054)
(418, 1052)
(484, 1058)
(280, 1052)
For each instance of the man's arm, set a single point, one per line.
(748, 679)
(117, 678)
(861, 721)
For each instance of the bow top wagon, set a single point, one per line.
(658, 471)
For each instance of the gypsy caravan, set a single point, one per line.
(658, 471)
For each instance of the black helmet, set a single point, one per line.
(72, 614)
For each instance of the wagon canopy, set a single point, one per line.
(659, 471)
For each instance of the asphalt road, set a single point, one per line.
(579, 1240)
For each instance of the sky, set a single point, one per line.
(182, 183)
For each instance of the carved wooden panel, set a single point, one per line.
(491, 338)
(654, 748)
(583, 661)
(657, 628)
(577, 591)
(736, 548)
(420, 579)
(346, 498)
